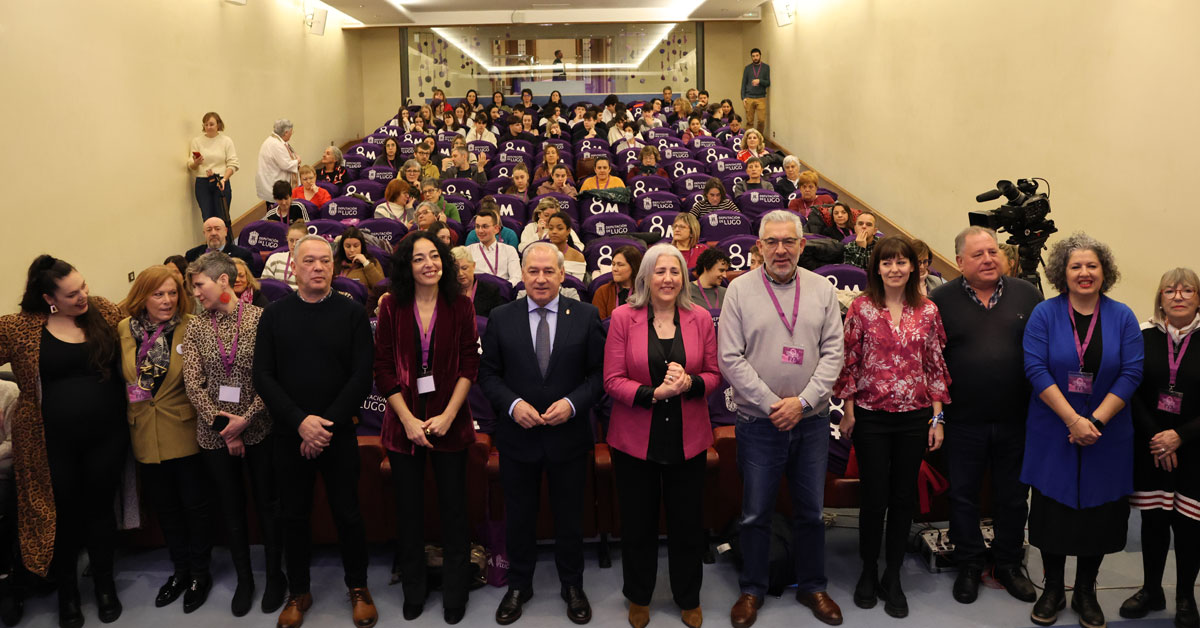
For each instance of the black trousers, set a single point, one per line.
(86, 465)
(1157, 526)
(641, 486)
(522, 483)
(889, 447)
(177, 490)
(339, 467)
(227, 472)
(972, 449)
(408, 475)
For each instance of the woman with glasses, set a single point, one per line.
(1165, 426)
(929, 281)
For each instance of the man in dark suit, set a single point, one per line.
(215, 239)
(542, 364)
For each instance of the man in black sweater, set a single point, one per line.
(984, 315)
(312, 367)
(216, 239)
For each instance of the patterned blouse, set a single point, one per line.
(894, 369)
(337, 177)
(204, 374)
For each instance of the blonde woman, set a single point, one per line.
(685, 235)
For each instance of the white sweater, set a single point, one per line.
(218, 154)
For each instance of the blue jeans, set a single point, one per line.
(764, 454)
(210, 200)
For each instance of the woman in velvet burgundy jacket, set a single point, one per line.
(660, 362)
(426, 357)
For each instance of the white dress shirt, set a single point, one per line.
(552, 321)
(499, 259)
(276, 162)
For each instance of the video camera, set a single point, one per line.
(1023, 217)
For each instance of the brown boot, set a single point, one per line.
(639, 615)
(292, 615)
(745, 610)
(363, 607)
(692, 617)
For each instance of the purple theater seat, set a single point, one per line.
(355, 165)
(466, 209)
(373, 190)
(563, 145)
(446, 137)
(310, 208)
(406, 150)
(671, 153)
(598, 282)
(829, 193)
(844, 276)
(689, 199)
(465, 188)
(480, 147)
(356, 290)
(627, 157)
(703, 141)
(274, 289)
(263, 235)
(497, 184)
(604, 225)
(734, 141)
(653, 203)
(565, 204)
(713, 153)
(497, 170)
(380, 174)
(412, 137)
(756, 203)
(682, 167)
(719, 225)
(333, 188)
(663, 143)
(459, 228)
(592, 143)
(517, 145)
(328, 229)
(591, 205)
(659, 223)
(512, 158)
(730, 181)
(647, 183)
(442, 151)
(688, 183)
(388, 130)
(383, 256)
(386, 229)
(657, 133)
(722, 167)
(512, 223)
(481, 406)
(377, 139)
(598, 253)
(505, 288)
(370, 151)
(370, 413)
(512, 207)
(593, 153)
(738, 249)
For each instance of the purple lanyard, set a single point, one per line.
(148, 341)
(227, 359)
(757, 69)
(1081, 348)
(778, 308)
(425, 335)
(709, 305)
(483, 251)
(1172, 362)
(287, 267)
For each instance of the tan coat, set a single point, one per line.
(162, 428)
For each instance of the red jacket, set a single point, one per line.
(319, 199)
(626, 367)
(454, 354)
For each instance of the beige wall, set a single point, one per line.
(106, 98)
(918, 106)
(381, 85)
(724, 58)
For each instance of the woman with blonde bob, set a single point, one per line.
(1166, 483)
(685, 235)
(660, 362)
(162, 427)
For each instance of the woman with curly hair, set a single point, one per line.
(1083, 356)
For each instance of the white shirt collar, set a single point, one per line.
(552, 306)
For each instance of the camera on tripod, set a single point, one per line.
(1023, 218)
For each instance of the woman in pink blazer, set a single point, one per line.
(660, 362)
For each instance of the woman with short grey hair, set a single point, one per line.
(276, 161)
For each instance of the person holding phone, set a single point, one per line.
(213, 161)
(233, 427)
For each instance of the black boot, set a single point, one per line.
(866, 591)
(243, 595)
(1185, 613)
(275, 592)
(1141, 603)
(894, 601)
(966, 585)
(69, 613)
(12, 602)
(107, 602)
(1053, 600)
(1084, 603)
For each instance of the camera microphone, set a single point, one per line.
(990, 195)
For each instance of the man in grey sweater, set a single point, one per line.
(781, 361)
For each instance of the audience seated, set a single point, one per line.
(246, 287)
(285, 210)
(424, 153)
(332, 167)
(685, 235)
(519, 186)
(559, 230)
(603, 178)
(536, 231)
(841, 216)
(216, 239)
(753, 180)
(352, 260)
(458, 166)
(753, 145)
(714, 199)
(710, 269)
(308, 189)
(479, 132)
(858, 252)
(280, 265)
(559, 183)
(648, 164)
(432, 193)
(490, 254)
(807, 200)
(790, 181)
(390, 155)
(695, 128)
(507, 236)
(589, 127)
(397, 202)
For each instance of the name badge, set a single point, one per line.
(1170, 401)
(137, 393)
(230, 394)
(1079, 382)
(793, 355)
(425, 385)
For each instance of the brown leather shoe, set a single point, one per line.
(639, 615)
(292, 615)
(692, 617)
(745, 610)
(823, 607)
(363, 607)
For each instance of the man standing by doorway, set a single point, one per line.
(560, 67)
(756, 78)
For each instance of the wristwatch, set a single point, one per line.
(1097, 422)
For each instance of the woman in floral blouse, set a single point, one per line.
(894, 373)
(233, 426)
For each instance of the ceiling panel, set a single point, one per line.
(446, 12)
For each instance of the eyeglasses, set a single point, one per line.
(789, 243)
(1185, 293)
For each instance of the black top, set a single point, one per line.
(666, 417)
(74, 394)
(622, 296)
(984, 352)
(313, 358)
(1091, 357)
(487, 298)
(1148, 420)
(833, 231)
